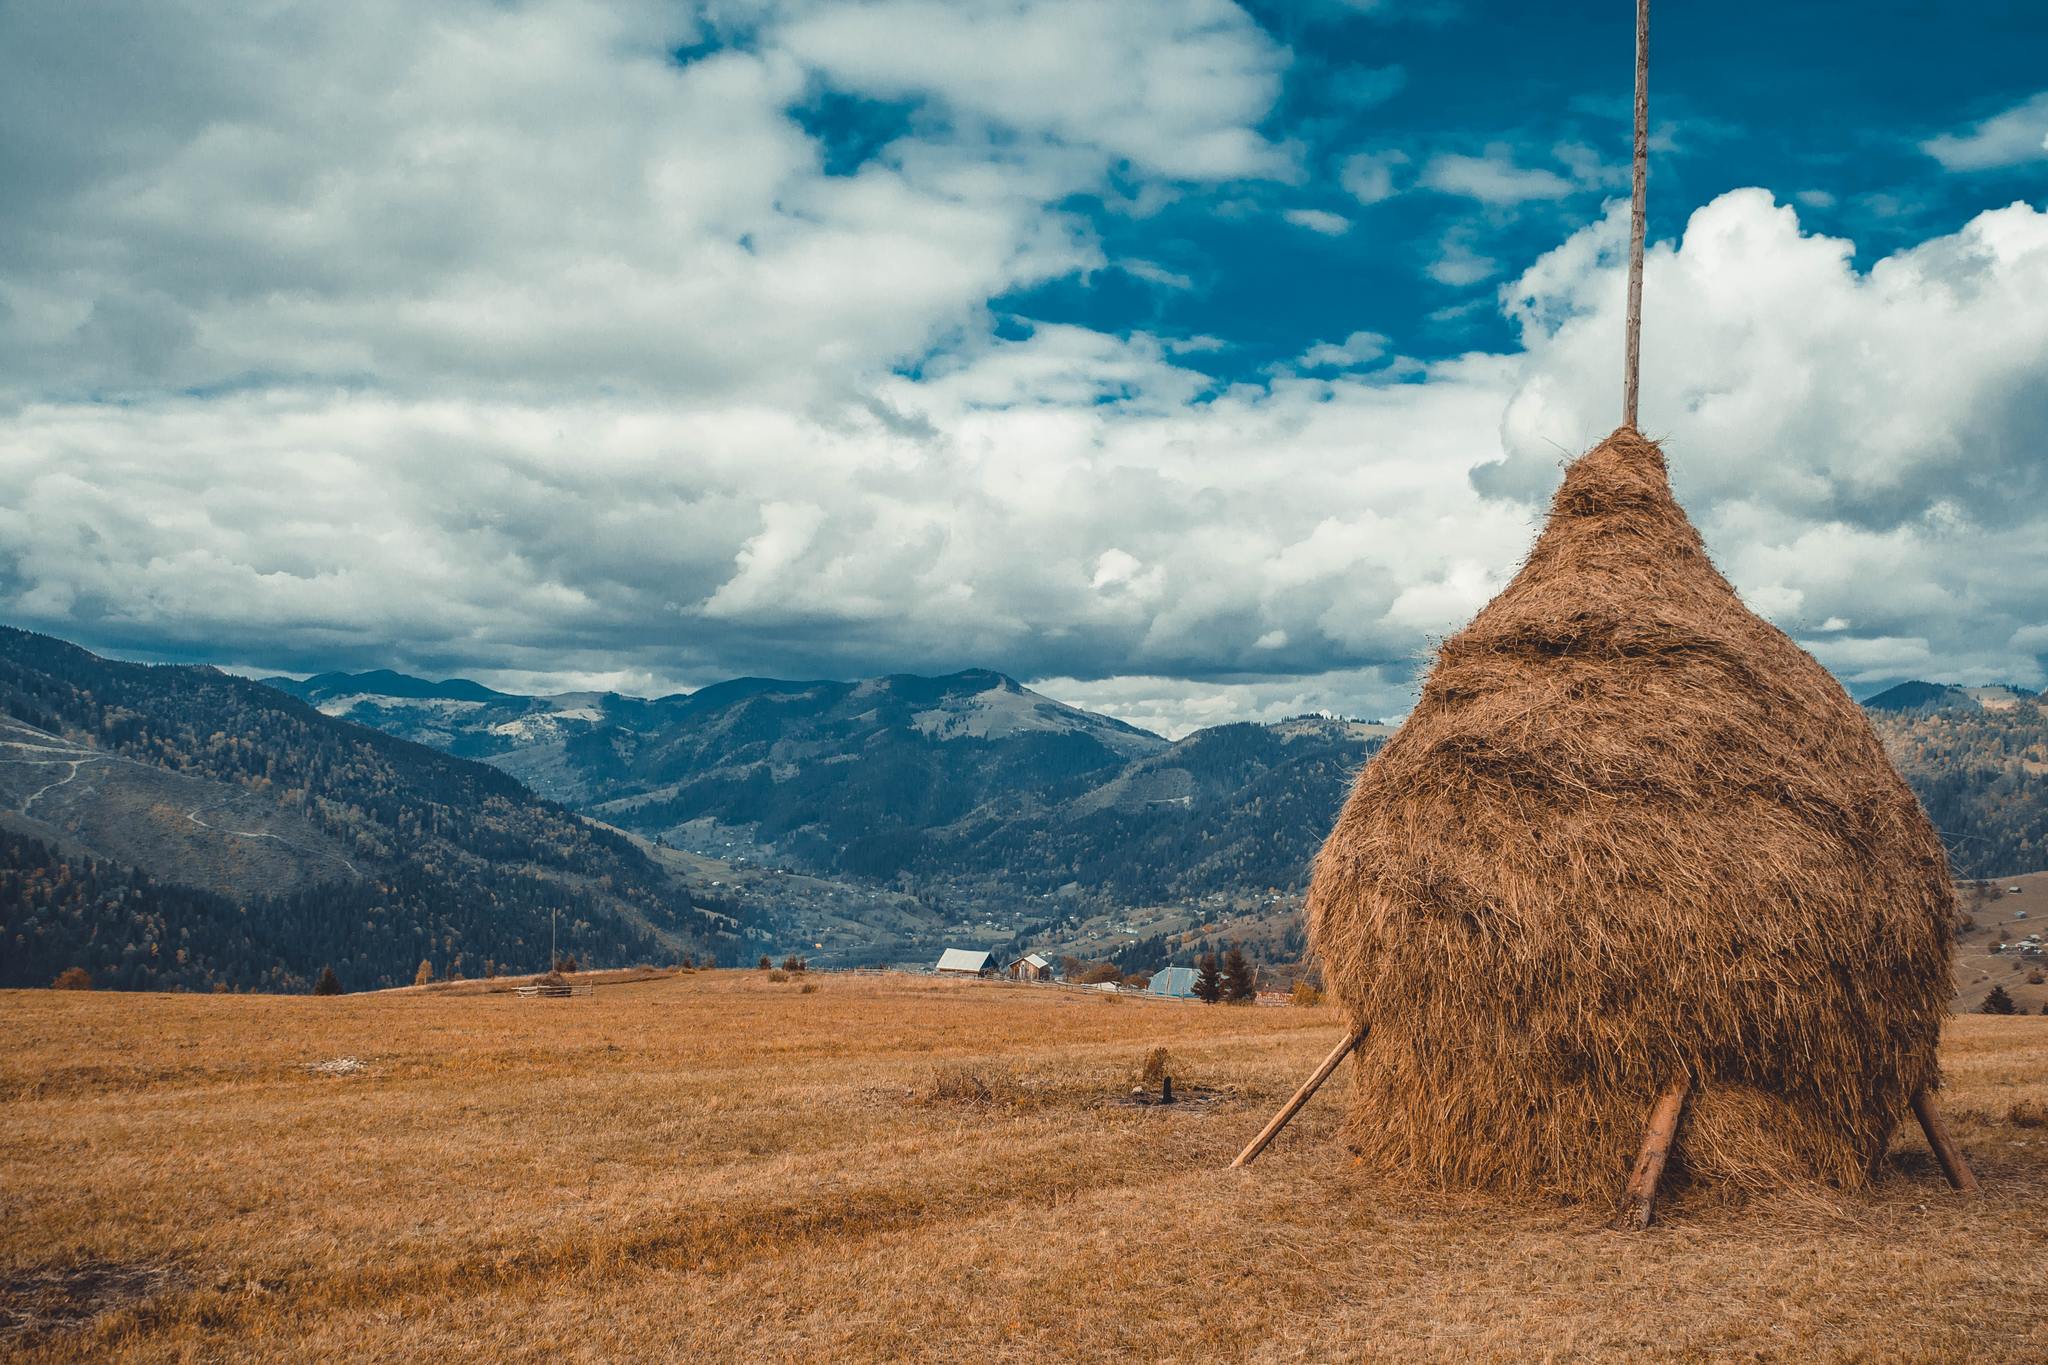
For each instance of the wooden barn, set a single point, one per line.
(1031, 967)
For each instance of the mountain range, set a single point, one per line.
(373, 819)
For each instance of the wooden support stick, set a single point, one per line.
(1657, 1142)
(1945, 1150)
(1289, 1109)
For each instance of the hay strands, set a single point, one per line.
(1640, 1200)
(1945, 1150)
(1299, 1098)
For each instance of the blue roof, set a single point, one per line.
(1173, 981)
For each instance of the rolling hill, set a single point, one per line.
(175, 826)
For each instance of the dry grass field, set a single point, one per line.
(715, 1166)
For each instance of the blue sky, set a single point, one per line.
(1194, 360)
(1826, 104)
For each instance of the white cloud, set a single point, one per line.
(1368, 177)
(2018, 135)
(1493, 178)
(1458, 264)
(1357, 349)
(1857, 446)
(1319, 220)
(539, 198)
(1171, 88)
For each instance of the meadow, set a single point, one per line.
(714, 1165)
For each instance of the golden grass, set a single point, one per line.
(715, 1166)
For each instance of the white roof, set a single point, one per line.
(962, 960)
(1034, 960)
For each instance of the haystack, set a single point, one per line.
(1631, 835)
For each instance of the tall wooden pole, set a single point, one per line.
(1636, 218)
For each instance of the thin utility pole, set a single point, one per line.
(1632, 377)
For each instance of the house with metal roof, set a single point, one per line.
(962, 962)
(1031, 967)
(1174, 981)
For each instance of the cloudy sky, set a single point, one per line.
(1193, 360)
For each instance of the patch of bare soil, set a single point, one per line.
(38, 1302)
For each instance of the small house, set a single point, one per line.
(962, 962)
(1174, 981)
(1031, 967)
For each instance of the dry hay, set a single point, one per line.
(1631, 832)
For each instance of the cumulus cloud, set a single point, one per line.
(2017, 135)
(1857, 447)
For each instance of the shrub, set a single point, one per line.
(765, 963)
(2027, 1114)
(976, 1083)
(72, 979)
(776, 974)
(1095, 973)
(1137, 981)
(2035, 978)
(808, 987)
(1998, 1002)
(328, 984)
(568, 964)
(424, 974)
(1306, 995)
(792, 963)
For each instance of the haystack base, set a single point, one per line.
(1658, 1136)
(1945, 1150)
(1300, 1097)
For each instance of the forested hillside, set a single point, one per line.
(1981, 770)
(439, 858)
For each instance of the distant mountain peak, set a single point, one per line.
(384, 682)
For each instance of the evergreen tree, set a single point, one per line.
(1239, 982)
(1998, 1002)
(1208, 979)
(328, 984)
